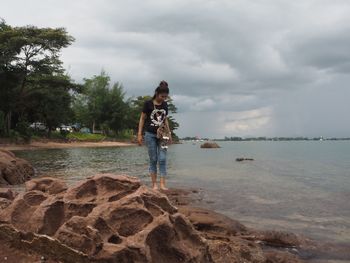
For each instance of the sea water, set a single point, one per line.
(298, 186)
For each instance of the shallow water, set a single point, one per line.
(297, 186)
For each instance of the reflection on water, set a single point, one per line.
(297, 186)
(77, 163)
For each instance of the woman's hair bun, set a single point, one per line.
(163, 84)
(162, 88)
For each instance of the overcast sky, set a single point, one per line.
(234, 68)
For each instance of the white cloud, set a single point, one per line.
(247, 121)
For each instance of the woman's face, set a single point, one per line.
(162, 97)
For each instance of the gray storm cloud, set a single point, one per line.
(235, 68)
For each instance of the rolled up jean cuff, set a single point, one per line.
(156, 154)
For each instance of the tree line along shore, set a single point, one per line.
(36, 89)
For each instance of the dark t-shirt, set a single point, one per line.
(154, 116)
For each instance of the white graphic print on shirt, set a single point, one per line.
(157, 117)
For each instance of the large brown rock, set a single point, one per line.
(106, 218)
(210, 145)
(14, 170)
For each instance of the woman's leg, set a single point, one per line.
(151, 142)
(162, 152)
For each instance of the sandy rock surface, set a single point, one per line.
(14, 170)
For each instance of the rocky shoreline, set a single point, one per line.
(114, 218)
(59, 144)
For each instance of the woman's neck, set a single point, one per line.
(155, 101)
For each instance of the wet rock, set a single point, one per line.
(14, 170)
(212, 223)
(210, 145)
(281, 239)
(46, 184)
(7, 193)
(233, 249)
(183, 197)
(244, 159)
(231, 241)
(223, 235)
(281, 257)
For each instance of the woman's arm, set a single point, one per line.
(141, 123)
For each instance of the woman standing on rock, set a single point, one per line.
(154, 114)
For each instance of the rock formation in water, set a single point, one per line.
(14, 170)
(240, 159)
(114, 218)
(210, 145)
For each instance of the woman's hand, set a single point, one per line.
(139, 139)
(170, 139)
(141, 123)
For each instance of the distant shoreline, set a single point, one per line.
(35, 145)
(267, 139)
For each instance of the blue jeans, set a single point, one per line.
(156, 154)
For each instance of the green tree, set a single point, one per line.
(9, 78)
(52, 102)
(102, 106)
(116, 109)
(136, 105)
(80, 109)
(29, 57)
(173, 124)
(96, 90)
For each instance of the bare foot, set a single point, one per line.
(162, 184)
(164, 188)
(155, 187)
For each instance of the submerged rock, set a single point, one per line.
(46, 184)
(244, 159)
(210, 145)
(14, 170)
